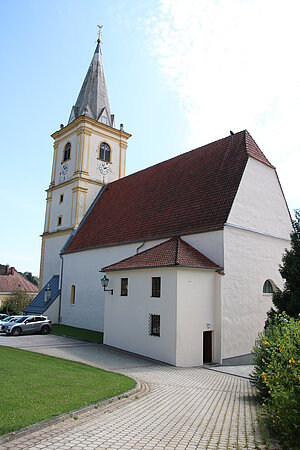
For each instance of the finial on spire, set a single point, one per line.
(99, 33)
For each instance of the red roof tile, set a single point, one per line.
(190, 193)
(174, 252)
(14, 282)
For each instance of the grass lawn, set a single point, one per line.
(35, 387)
(80, 333)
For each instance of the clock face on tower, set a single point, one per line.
(64, 169)
(103, 168)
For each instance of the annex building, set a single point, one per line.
(190, 246)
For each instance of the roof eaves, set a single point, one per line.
(148, 238)
(167, 266)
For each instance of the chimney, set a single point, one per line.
(12, 270)
(7, 269)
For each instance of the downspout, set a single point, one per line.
(61, 278)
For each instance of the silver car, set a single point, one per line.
(28, 325)
(6, 320)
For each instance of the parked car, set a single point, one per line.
(6, 320)
(3, 316)
(28, 325)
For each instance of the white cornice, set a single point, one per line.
(252, 230)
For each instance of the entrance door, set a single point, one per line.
(207, 347)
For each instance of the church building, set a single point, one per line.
(176, 262)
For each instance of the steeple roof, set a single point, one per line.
(93, 100)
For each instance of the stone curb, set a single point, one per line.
(112, 401)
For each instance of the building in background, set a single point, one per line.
(11, 282)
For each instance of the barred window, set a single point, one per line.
(154, 325)
(124, 287)
(156, 286)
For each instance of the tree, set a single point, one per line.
(17, 302)
(288, 300)
(31, 278)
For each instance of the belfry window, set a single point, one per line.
(67, 152)
(268, 287)
(104, 152)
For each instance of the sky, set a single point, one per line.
(179, 73)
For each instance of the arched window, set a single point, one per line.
(268, 287)
(104, 152)
(67, 152)
(73, 295)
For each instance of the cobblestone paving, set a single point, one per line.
(175, 409)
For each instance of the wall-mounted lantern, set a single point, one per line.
(47, 293)
(104, 283)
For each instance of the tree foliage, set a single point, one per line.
(276, 376)
(33, 279)
(17, 302)
(288, 300)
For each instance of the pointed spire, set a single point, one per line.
(93, 99)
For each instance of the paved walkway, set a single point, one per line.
(176, 409)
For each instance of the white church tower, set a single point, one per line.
(88, 153)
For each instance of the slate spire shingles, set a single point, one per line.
(173, 253)
(191, 193)
(93, 99)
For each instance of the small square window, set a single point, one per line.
(61, 198)
(154, 325)
(156, 286)
(59, 221)
(124, 287)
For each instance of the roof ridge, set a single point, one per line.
(181, 155)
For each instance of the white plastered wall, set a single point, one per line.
(254, 240)
(210, 244)
(198, 304)
(127, 318)
(82, 270)
(52, 311)
(52, 260)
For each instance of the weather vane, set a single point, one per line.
(99, 33)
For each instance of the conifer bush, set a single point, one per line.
(276, 376)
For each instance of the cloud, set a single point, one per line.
(234, 65)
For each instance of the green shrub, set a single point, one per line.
(16, 303)
(276, 376)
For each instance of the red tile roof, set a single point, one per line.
(190, 193)
(14, 282)
(174, 252)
